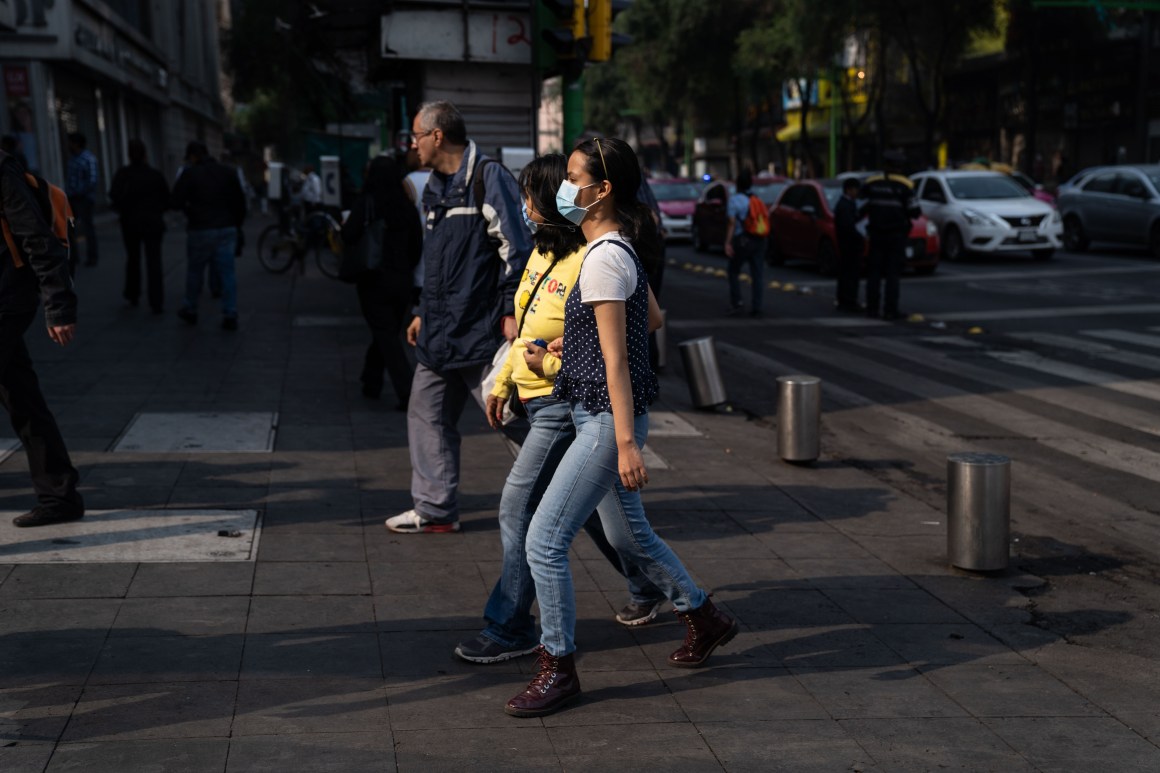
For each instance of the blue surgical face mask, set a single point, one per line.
(532, 225)
(566, 201)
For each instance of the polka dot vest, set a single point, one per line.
(582, 375)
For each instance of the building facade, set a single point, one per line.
(113, 70)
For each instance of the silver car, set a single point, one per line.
(1112, 204)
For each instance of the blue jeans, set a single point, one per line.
(211, 246)
(583, 479)
(508, 610)
(747, 251)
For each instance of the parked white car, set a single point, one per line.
(987, 212)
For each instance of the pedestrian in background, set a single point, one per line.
(528, 375)
(34, 267)
(474, 250)
(850, 246)
(215, 208)
(890, 207)
(81, 188)
(311, 189)
(744, 248)
(385, 291)
(606, 379)
(139, 195)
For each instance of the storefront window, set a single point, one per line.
(133, 12)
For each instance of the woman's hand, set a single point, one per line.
(633, 475)
(494, 411)
(534, 357)
(556, 347)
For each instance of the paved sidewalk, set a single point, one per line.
(330, 649)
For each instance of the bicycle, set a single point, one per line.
(281, 246)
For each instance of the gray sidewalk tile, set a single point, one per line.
(963, 744)
(126, 712)
(850, 646)
(472, 701)
(892, 691)
(779, 745)
(38, 661)
(671, 747)
(1063, 745)
(311, 614)
(946, 644)
(34, 715)
(278, 545)
(315, 438)
(764, 605)
(65, 618)
(417, 655)
(182, 615)
(721, 694)
(391, 578)
(816, 545)
(987, 601)
(210, 497)
(857, 573)
(182, 754)
(74, 581)
(313, 578)
(371, 752)
(311, 656)
(662, 637)
(25, 757)
(301, 707)
(622, 697)
(725, 572)
(5, 571)
(193, 579)
(1009, 690)
(126, 498)
(604, 645)
(133, 474)
(168, 659)
(893, 605)
(430, 611)
(510, 749)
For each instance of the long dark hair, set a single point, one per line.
(539, 181)
(612, 159)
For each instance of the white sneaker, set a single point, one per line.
(411, 522)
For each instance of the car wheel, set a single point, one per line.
(1074, 237)
(952, 244)
(699, 243)
(827, 259)
(773, 254)
(1042, 254)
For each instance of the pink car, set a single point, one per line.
(677, 199)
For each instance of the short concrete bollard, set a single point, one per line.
(978, 511)
(799, 411)
(706, 387)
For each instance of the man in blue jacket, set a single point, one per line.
(474, 250)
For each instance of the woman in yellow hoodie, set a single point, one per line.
(529, 374)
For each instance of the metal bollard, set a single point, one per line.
(706, 387)
(799, 411)
(978, 511)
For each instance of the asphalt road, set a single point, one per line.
(1054, 364)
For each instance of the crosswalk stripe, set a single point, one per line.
(1080, 444)
(1103, 351)
(1125, 336)
(984, 315)
(1031, 361)
(1063, 397)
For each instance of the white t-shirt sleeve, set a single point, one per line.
(608, 274)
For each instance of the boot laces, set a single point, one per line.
(546, 676)
(690, 629)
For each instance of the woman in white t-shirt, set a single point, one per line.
(605, 375)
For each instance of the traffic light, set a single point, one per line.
(604, 40)
(563, 39)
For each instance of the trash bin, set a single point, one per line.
(699, 356)
(978, 511)
(799, 411)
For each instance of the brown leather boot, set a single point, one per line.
(708, 629)
(555, 686)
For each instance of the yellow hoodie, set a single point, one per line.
(543, 317)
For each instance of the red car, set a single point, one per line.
(709, 216)
(677, 199)
(802, 228)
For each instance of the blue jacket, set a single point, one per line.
(472, 264)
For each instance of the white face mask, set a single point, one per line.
(566, 201)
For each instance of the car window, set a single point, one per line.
(1129, 184)
(809, 198)
(675, 191)
(832, 195)
(1101, 183)
(932, 191)
(972, 187)
(792, 197)
(768, 192)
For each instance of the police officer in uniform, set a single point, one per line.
(890, 207)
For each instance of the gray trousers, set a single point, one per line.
(437, 402)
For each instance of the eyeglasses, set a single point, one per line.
(601, 151)
(416, 137)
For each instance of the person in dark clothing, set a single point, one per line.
(890, 207)
(81, 187)
(139, 195)
(215, 206)
(849, 246)
(34, 267)
(385, 293)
